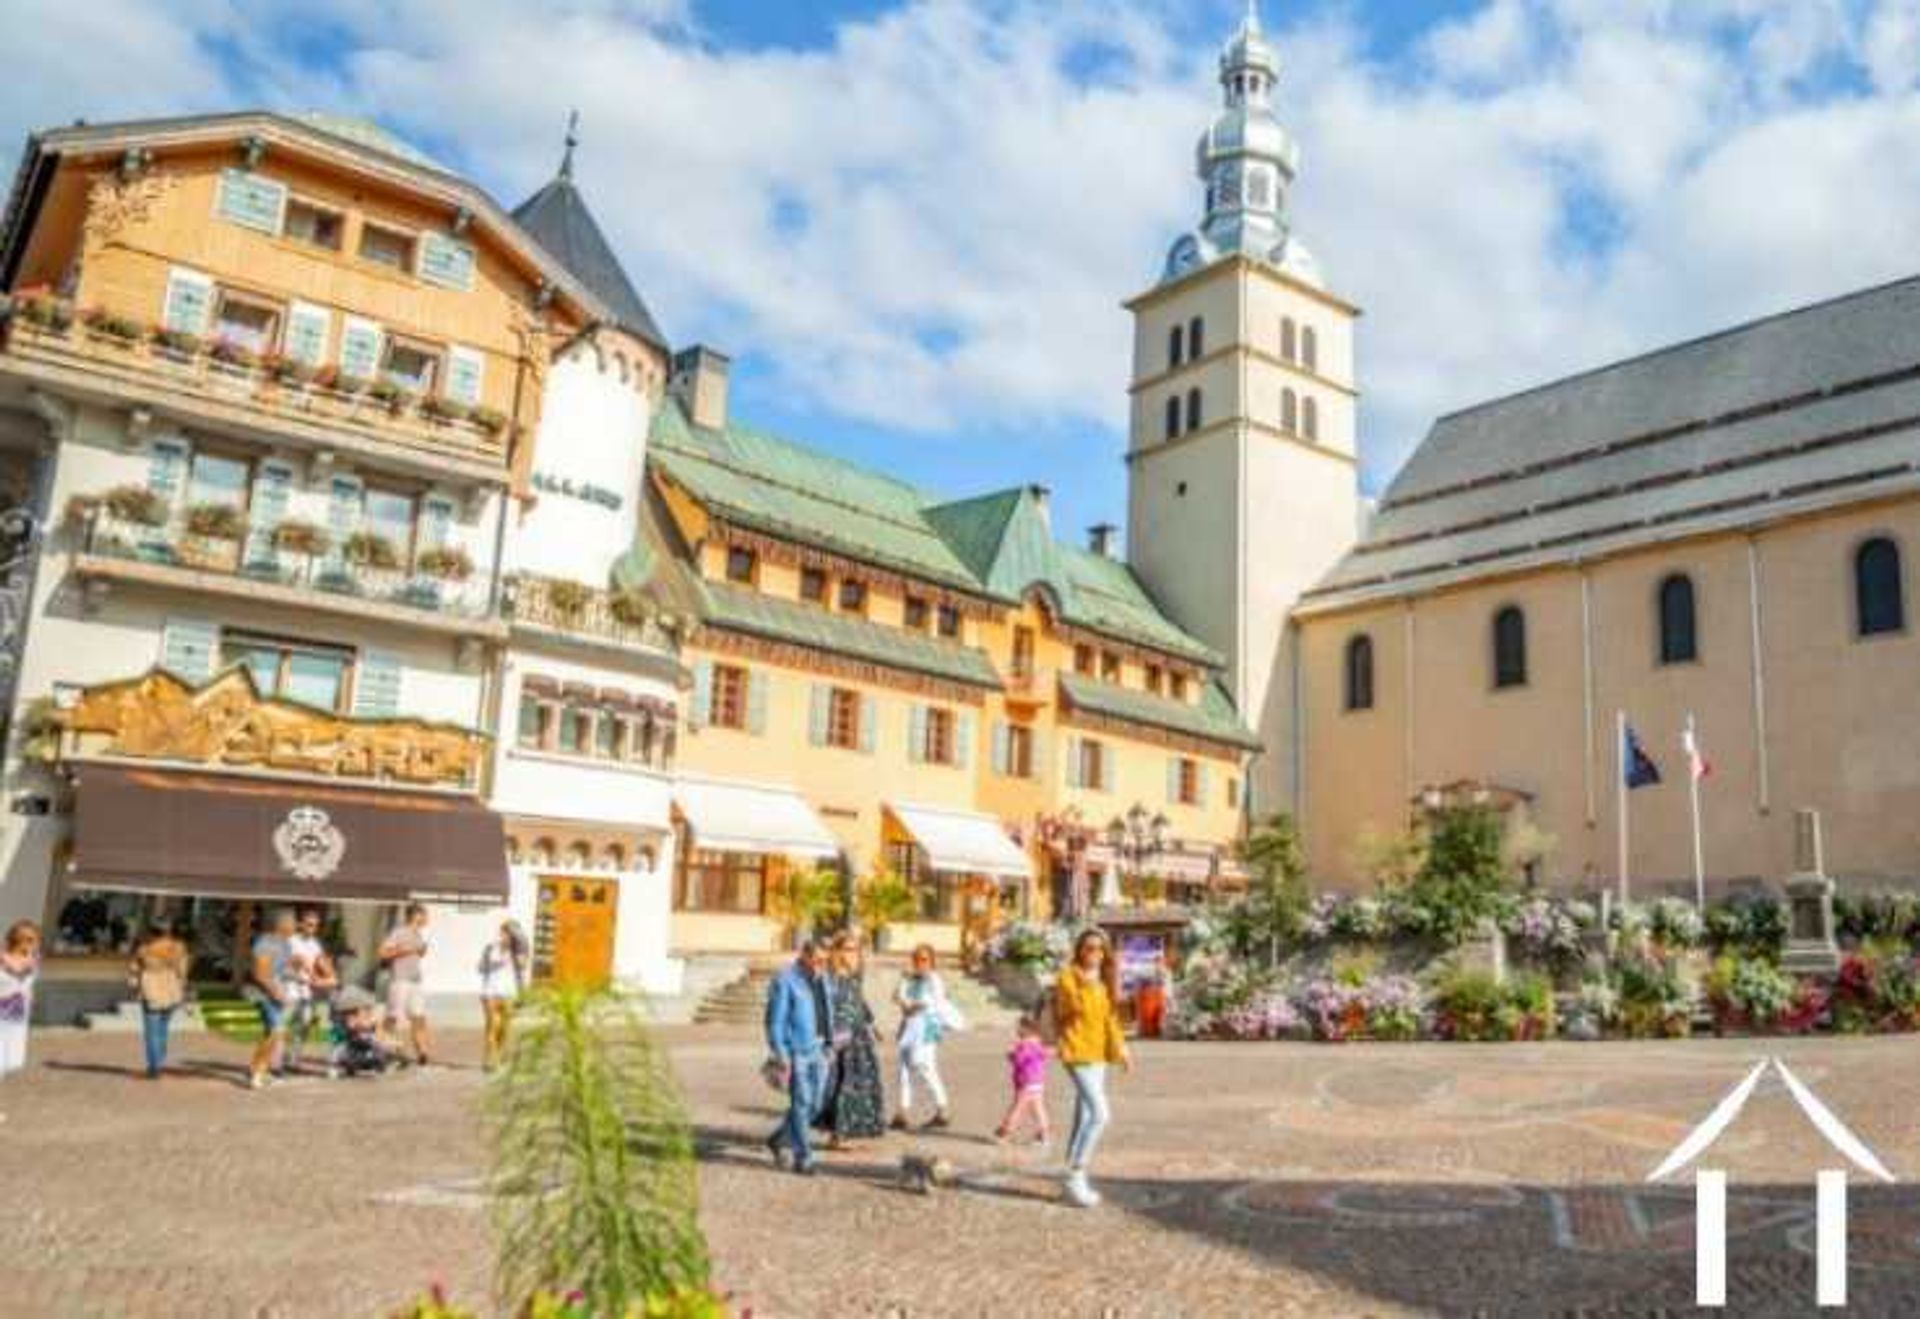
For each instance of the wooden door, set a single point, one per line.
(573, 931)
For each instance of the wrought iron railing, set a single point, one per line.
(581, 610)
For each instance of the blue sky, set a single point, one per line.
(912, 222)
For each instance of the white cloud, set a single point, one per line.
(929, 223)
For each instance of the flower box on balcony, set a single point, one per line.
(490, 420)
(448, 563)
(216, 522)
(568, 600)
(331, 377)
(178, 345)
(288, 371)
(40, 309)
(118, 329)
(305, 538)
(436, 408)
(368, 549)
(136, 504)
(228, 353)
(394, 398)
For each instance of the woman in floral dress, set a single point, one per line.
(855, 1107)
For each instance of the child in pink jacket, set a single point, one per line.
(1028, 1061)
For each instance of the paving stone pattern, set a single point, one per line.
(1240, 1180)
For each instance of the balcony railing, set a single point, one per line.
(580, 610)
(254, 556)
(199, 377)
(1029, 684)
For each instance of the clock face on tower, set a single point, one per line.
(1185, 256)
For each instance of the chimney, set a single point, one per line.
(1042, 499)
(1100, 539)
(700, 383)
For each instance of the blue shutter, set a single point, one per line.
(189, 302)
(916, 732)
(436, 522)
(305, 339)
(1038, 742)
(445, 261)
(167, 468)
(868, 722)
(466, 373)
(360, 344)
(963, 739)
(267, 508)
(376, 685)
(702, 708)
(188, 647)
(248, 199)
(344, 499)
(756, 702)
(999, 751)
(818, 699)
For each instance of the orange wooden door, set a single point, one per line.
(576, 922)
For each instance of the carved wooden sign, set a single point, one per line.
(227, 722)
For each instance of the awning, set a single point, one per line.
(230, 836)
(963, 842)
(752, 817)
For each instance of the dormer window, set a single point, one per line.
(813, 586)
(853, 596)
(948, 621)
(742, 565)
(386, 247)
(915, 613)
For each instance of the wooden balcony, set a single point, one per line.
(136, 372)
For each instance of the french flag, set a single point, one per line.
(1697, 763)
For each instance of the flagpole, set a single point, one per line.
(1693, 791)
(1621, 790)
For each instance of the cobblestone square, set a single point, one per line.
(1268, 1180)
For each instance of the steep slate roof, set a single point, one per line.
(1793, 412)
(1213, 718)
(996, 545)
(557, 218)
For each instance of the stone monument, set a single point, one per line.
(1811, 948)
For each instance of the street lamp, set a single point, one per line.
(1135, 840)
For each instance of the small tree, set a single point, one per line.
(1277, 889)
(883, 899)
(1465, 872)
(593, 1183)
(806, 900)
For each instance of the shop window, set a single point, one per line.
(386, 247)
(722, 881)
(742, 565)
(813, 586)
(843, 718)
(1679, 639)
(853, 596)
(316, 226)
(948, 623)
(1879, 596)
(728, 708)
(315, 676)
(410, 365)
(915, 613)
(903, 859)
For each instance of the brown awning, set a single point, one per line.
(224, 835)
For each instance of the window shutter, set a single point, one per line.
(1037, 770)
(819, 698)
(272, 488)
(436, 522)
(868, 722)
(1102, 768)
(446, 261)
(1201, 772)
(376, 685)
(188, 647)
(306, 337)
(466, 372)
(1073, 762)
(702, 708)
(248, 199)
(360, 344)
(999, 751)
(756, 702)
(167, 468)
(1173, 778)
(189, 302)
(963, 739)
(916, 732)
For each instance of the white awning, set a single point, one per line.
(752, 817)
(963, 842)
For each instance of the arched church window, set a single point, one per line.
(1175, 338)
(1288, 339)
(1679, 640)
(1879, 596)
(1360, 673)
(1510, 648)
(1193, 409)
(1289, 411)
(1310, 417)
(1173, 417)
(1309, 349)
(1196, 338)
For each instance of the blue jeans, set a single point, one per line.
(154, 1025)
(806, 1089)
(1090, 1112)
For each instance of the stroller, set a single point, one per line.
(354, 1028)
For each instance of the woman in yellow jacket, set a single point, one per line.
(1084, 1000)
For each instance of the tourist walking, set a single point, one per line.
(159, 974)
(1027, 1060)
(799, 1033)
(855, 1105)
(19, 968)
(271, 967)
(503, 978)
(925, 1016)
(315, 981)
(1091, 1040)
(403, 953)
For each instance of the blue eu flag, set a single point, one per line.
(1641, 771)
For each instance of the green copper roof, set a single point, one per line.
(366, 133)
(741, 609)
(1212, 719)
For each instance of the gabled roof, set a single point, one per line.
(557, 218)
(1796, 411)
(997, 546)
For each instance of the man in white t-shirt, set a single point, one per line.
(311, 980)
(403, 953)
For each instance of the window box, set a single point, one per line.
(437, 407)
(490, 420)
(449, 563)
(136, 504)
(178, 344)
(43, 311)
(368, 549)
(290, 371)
(228, 352)
(120, 329)
(216, 522)
(394, 398)
(305, 538)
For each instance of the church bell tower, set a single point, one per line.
(1242, 473)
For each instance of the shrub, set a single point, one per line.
(1396, 1008)
(1748, 991)
(1754, 924)
(1655, 999)
(1268, 1014)
(1674, 923)
(216, 522)
(449, 563)
(136, 504)
(1461, 883)
(1020, 943)
(1546, 933)
(885, 899)
(1276, 899)
(1467, 1006)
(1862, 916)
(369, 549)
(593, 1180)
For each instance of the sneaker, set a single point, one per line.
(779, 1152)
(938, 1122)
(259, 1081)
(1079, 1194)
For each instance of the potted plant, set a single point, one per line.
(295, 536)
(805, 901)
(110, 325)
(490, 420)
(180, 344)
(39, 308)
(629, 608)
(394, 398)
(569, 599)
(136, 504)
(884, 899)
(449, 563)
(216, 522)
(287, 370)
(369, 549)
(228, 353)
(438, 407)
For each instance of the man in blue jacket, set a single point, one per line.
(799, 1029)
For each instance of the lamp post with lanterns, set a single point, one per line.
(1135, 839)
